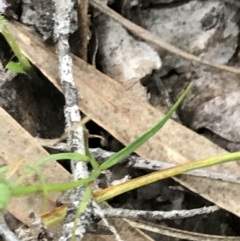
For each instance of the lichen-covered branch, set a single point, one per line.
(75, 138)
(7, 234)
(158, 215)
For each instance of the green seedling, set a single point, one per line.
(23, 66)
(20, 190)
(6, 172)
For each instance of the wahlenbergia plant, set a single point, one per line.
(16, 189)
(10, 189)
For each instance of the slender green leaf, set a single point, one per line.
(21, 190)
(35, 170)
(81, 207)
(4, 169)
(92, 159)
(14, 46)
(55, 157)
(114, 191)
(5, 195)
(146, 136)
(62, 156)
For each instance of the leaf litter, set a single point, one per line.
(217, 95)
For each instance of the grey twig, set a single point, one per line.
(7, 234)
(157, 215)
(75, 138)
(71, 110)
(99, 212)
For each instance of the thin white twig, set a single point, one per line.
(99, 212)
(7, 234)
(71, 110)
(157, 215)
(75, 139)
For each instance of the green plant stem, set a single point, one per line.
(145, 137)
(18, 190)
(14, 46)
(111, 192)
(92, 159)
(82, 206)
(54, 157)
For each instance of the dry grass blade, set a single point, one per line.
(14, 167)
(180, 234)
(113, 191)
(16, 142)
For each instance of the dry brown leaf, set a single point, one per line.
(207, 29)
(117, 112)
(15, 142)
(157, 41)
(221, 115)
(212, 107)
